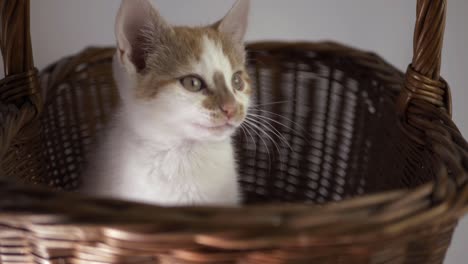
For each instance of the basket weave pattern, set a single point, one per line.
(368, 165)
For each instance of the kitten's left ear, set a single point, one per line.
(235, 23)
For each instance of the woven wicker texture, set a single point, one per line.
(349, 162)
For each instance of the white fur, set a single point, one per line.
(132, 168)
(154, 152)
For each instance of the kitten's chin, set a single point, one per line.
(212, 133)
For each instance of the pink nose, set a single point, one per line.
(229, 109)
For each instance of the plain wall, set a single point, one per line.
(63, 27)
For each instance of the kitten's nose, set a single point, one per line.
(229, 109)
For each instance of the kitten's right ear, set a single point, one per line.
(137, 25)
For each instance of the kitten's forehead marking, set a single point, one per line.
(213, 61)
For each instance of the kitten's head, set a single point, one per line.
(190, 82)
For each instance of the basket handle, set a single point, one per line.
(423, 81)
(20, 84)
(424, 105)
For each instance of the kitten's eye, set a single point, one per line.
(237, 81)
(193, 83)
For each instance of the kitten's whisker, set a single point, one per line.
(272, 129)
(259, 128)
(278, 134)
(274, 121)
(250, 134)
(283, 125)
(264, 143)
(243, 132)
(273, 103)
(280, 156)
(249, 120)
(252, 121)
(282, 116)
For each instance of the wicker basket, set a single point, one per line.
(373, 171)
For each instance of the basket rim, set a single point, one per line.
(373, 215)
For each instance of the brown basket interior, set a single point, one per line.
(329, 109)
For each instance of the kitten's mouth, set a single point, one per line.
(215, 128)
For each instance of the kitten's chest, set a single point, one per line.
(188, 174)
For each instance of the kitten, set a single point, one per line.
(184, 92)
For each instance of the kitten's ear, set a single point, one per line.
(234, 24)
(137, 25)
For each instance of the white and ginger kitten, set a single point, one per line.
(184, 91)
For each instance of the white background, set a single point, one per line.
(63, 27)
